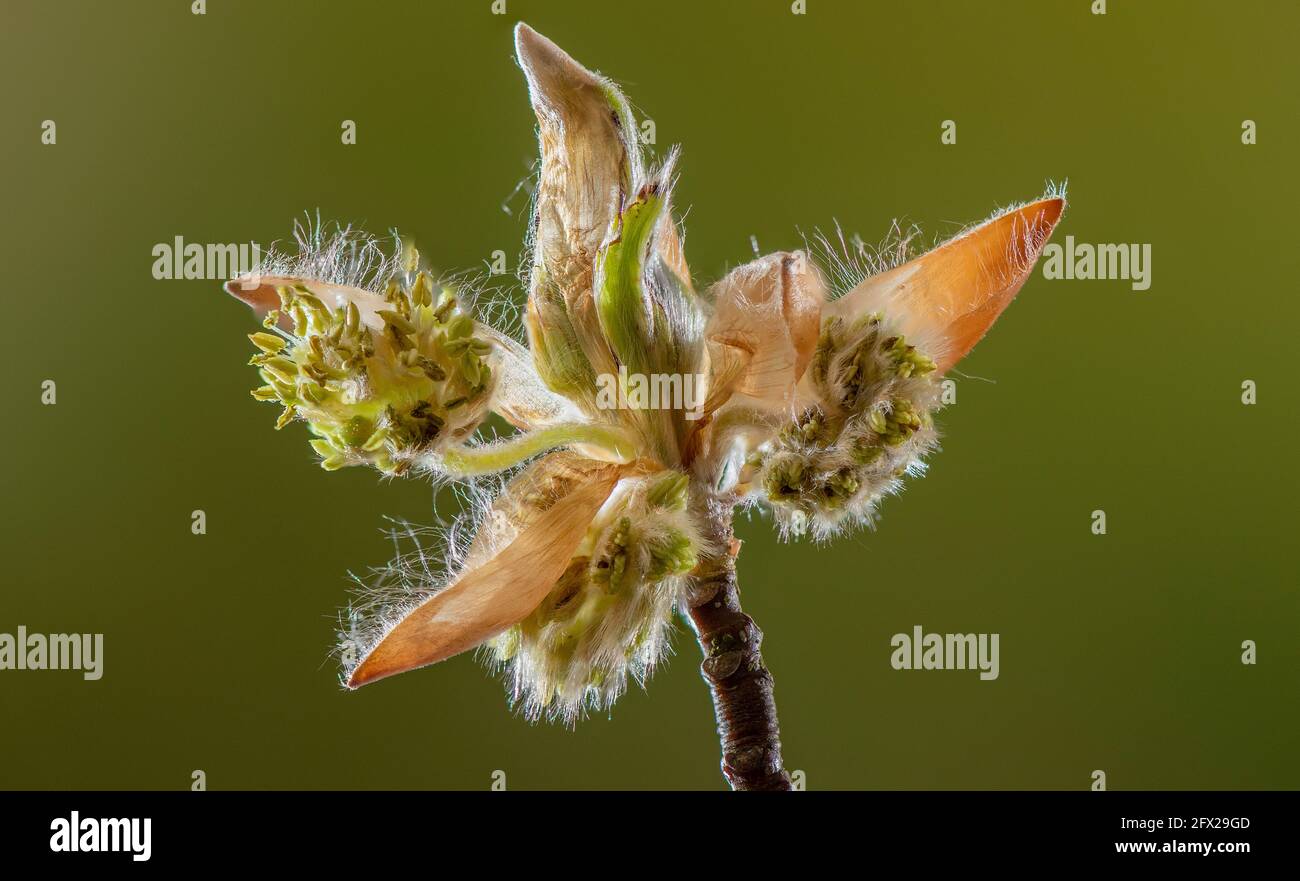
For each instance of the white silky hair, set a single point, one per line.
(426, 559)
(633, 634)
(335, 253)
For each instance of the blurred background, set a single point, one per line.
(1119, 652)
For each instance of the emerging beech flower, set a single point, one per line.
(601, 522)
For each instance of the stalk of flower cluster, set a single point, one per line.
(734, 670)
(613, 444)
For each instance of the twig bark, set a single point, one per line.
(733, 667)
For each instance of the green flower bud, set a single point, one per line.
(669, 492)
(783, 476)
(672, 554)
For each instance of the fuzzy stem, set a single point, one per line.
(489, 458)
(733, 667)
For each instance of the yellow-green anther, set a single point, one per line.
(446, 303)
(281, 368)
(410, 255)
(265, 393)
(460, 327)
(396, 320)
(811, 429)
(431, 369)
(323, 448)
(312, 391)
(470, 366)
(285, 418)
(422, 290)
(907, 361)
(401, 340)
(282, 390)
(314, 308)
(877, 421)
(905, 414)
(267, 342)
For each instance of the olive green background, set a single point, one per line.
(1118, 652)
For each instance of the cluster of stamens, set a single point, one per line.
(607, 616)
(869, 422)
(376, 396)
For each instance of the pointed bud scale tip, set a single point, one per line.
(950, 296)
(549, 69)
(262, 298)
(261, 295)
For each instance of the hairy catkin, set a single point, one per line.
(867, 424)
(608, 617)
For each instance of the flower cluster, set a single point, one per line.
(382, 395)
(868, 423)
(607, 616)
(811, 405)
